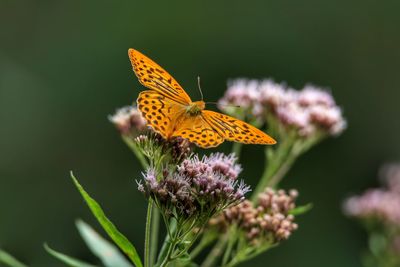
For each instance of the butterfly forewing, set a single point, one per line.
(198, 131)
(159, 111)
(151, 75)
(236, 130)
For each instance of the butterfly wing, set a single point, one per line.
(198, 131)
(160, 112)
(151, 75)
(236, 130)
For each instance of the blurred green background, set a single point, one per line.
(64, 68)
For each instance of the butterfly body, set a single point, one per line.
(195, 108)
(169, 110)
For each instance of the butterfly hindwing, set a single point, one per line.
(198, 131)
(236, 130)
(159, 111)
(154, 77)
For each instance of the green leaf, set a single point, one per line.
(377, 244)
(119, 239)
(9, 260)
(185, 257)
(67, 259)
(104, 250)
(301, 209)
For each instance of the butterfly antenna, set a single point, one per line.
(198, 84)
(223, 105)
(213, 103)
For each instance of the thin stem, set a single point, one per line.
(147, 257)
(231, 242)
(282, 170)
(168, 255)
(191, 243)
(136, 151)
(268, 172)
(169, 238)
(237, 149)
(274, 159)
(204, 242)
(215, 252)
(248, 255)
(155, 224)
(196, 251)
(171, 247)
(164, 248)
(151, 232)
(232, 263)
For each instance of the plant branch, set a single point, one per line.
(155, 225)
(136, 151)
(237, 149)
(147, 253)
(216, 252)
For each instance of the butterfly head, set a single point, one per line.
(195, 108)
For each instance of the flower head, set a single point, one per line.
(208, 185)
(312, 95)
(215, 163)
(236, 96)
(382, 204)
(269, 220)
(128, 120)
(308, 111)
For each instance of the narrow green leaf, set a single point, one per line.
(119, 239)
(9, 260)
(104, 250)
(67, 259)
(301, 209)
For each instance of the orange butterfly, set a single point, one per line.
(170, 111)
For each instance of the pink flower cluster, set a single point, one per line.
(215, 163)
(128, 120)
(197, 185)
(268, 220)
(307, 111)
(379, 203)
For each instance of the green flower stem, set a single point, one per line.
(193, 240)
(152, 217)
(231, 243)
(235, 261)
(282, 170)
(237, 149)
(136, 151)
(169, 239)
(147, 254)
(169, 247)
(216, 251)
(167, 258)
(164, 248)
(273, 166)
(280, 160)
(246, 255)
(9, 260)
(155, 224)
(274, 159)
(206, 240)
(196, 251)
